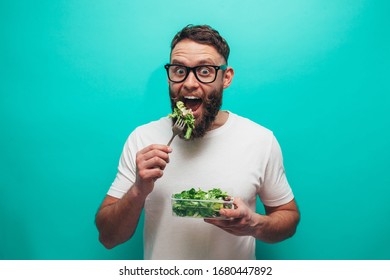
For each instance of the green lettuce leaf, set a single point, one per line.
(181, 112)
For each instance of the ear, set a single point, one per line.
(228, 77)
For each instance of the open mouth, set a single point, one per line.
(192, 102)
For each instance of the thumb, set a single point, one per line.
(235, 211)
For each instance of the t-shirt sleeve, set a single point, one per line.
(125, 176)
(275, 189)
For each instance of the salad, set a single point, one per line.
(181, 112)
(201, 204)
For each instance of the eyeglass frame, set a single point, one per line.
(193, 69)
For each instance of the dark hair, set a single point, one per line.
(203, 34)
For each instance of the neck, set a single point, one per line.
(220, 119)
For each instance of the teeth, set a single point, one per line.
(191, 97)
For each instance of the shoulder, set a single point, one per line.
(253, 134)
(248, 126)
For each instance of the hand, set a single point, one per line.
(242, 222)
(150, 161)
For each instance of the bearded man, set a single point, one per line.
(224, 151)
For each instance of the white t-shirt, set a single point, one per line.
(241, 157)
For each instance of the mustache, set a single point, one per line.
(175, 99)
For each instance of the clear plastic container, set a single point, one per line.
(194, 208)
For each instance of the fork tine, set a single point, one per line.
(177, 128)
(182, 124)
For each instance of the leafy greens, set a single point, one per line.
(201, 204)
(181, 112)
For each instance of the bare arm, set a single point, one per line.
(278, 224)
(117, 219)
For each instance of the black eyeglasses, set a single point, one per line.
(205, 74)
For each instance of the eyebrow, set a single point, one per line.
(201, 62)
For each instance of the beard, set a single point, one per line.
(211, 105)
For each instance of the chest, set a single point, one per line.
(234, 167)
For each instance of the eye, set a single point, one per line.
(179, 70)
(205, 71)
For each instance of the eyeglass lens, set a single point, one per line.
(204, 73)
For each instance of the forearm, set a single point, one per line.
(276, 226)
(118, 221)
(279, 223)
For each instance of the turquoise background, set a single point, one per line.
(78, 76)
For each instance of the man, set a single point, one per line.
(225, 151)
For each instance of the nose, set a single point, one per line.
(191, 81)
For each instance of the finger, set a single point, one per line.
(150, 174)
(151, 154)
(155, 162)
(238, 202)
(151, 169)
(231, 213)
(164, 148)
(228, 225)
(152, 157)
(151, 161)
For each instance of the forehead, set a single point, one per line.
(191, 53)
